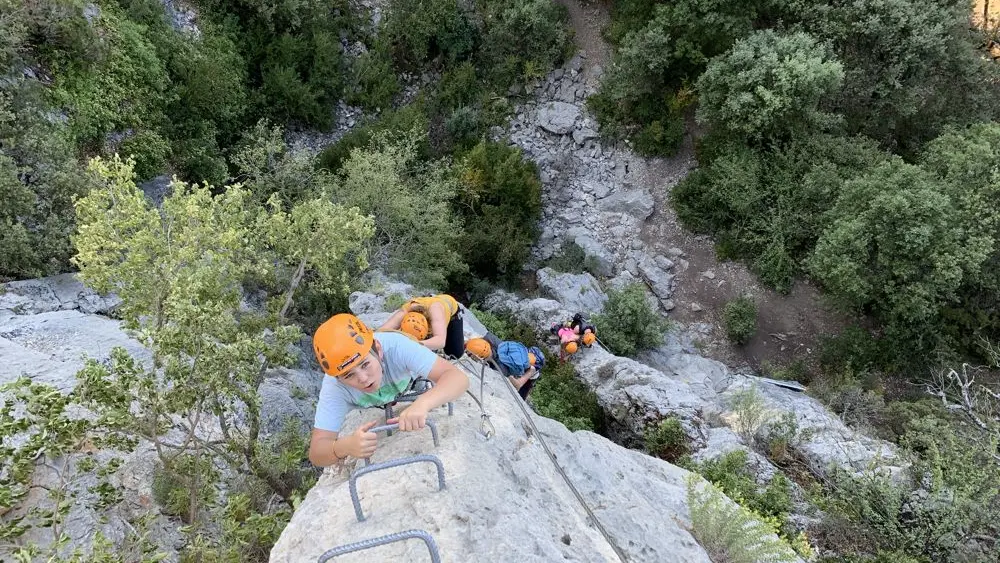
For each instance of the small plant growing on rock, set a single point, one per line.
(740, 319)
(729, 532)
(667, 440)
(749, 412)
(394, 301)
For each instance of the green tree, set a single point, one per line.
(911, 67)
(500, 199)
(900, 244)
(628, 323)
(181, 272)
(769, 86)
(416, 232)
(39, 178)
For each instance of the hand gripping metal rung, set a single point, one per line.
(391, 538)
(388, 465)
(388, 428)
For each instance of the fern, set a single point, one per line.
(729, 532)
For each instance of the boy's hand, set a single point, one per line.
(413, 417)
(361, 443)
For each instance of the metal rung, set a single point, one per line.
(391, 538)
(388, 428)
(388, 465)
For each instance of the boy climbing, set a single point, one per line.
(521, 364)
(368, 369)
(435, 321)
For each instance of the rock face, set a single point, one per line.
(588, 192)
(503, 500)
(636, 203)
(578, 292)
(62, 292)
(48, 327)
(558, 117)
(698, 391)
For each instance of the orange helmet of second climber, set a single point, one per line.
(589, 338)
(571, 347)
(531, 359)
(341, 343)
(415, 324)
(479, 347)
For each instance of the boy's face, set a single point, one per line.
(366, 376)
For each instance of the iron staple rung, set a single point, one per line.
(388, 465)
(391, 538)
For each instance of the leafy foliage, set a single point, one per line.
(666, 439)
(730, 532)
(559, 395)
(768, 86)
(181, 273)
(740, 319)
(629, 324)
(416, 233)
(500, 198)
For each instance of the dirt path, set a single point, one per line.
(588, 18)
(789, 326)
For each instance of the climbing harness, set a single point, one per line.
(383, 540)
(579, 497)
(389, 465)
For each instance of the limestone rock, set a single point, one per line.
(591, 248)
(577, 292)
(61, 292)
(583, 134)
(660, 282)
(504, 501)
(49, 347)
(635, 203)
(558, 117)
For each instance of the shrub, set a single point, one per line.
(750, 412)
(559, 395)
(659, 139)
(393, 123)
(572, 259)
(420, 30)
(150, 152)
(373, 80)
(172, 487)
(497, 324)
(629, 324)
(740, 319)
(500, 199)
(667, 440)
(416, 234)
(732, 475)
(729, 532)
(522, 39)
(395, 301)
(769, 86)
(39, 178)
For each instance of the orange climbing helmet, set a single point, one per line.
(589, 338)
(341, 343)
(479, 347)
(415, 324)
(571, 347)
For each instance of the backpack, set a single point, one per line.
(513, 356)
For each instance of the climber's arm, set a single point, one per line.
(449, 384)
(520, 381)
(439, 327)
(393, 322)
